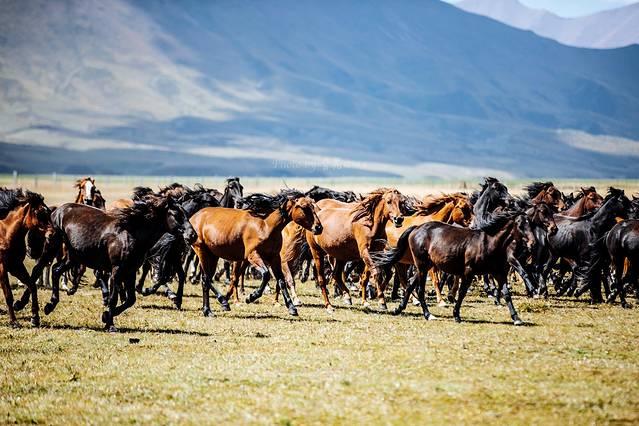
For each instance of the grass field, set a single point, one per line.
(572, 364)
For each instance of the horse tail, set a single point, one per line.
(390, 256)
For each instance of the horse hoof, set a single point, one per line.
(48, 308)
(536, 296)
(111, 329)
(457, 319)
(442, 304)
(292, 311)
(383, 307)
(71, 291)
(297, 302)
(226, 307)
(366, 305)
(330, 309)
(518, 322)
(35, 322)
(396, 311)
(416, 302)
(430, 317)
(207, 313)
(626, 305)
(14, 324)
(171, 296)
(106, 317)
(349, 301)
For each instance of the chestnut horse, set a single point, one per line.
(545, 192)
(251, 235)
(348, 235)
(20, 212)
(88, 193)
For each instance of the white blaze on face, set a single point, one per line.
(88, 190)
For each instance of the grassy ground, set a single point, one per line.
(573, 363)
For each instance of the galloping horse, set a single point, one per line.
(585, 202)
(460, 251)
(115, 242)
(349, 234)
(20, 212)
(622, 243)
(251, 235)
(450, 208)
(545, 192)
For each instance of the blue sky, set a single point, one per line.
(569, 8)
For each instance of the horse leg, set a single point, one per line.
(8, 295)
(338, 276)
(256, 260)
(238, 271)
(290, 281)
(363, 282)
(58, 269)
(318, 260)
(463, 289)
(107, 315)
(20, 272)
(276, 265)
(437, 284)
(503, 287)
(208, 263)
(146, 266)
(396, 283)
(517, 266)
(420, 279)
(181, 280)
(409, 290)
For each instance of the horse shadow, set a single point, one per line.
(128, 330)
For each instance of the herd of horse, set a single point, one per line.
(579, 242)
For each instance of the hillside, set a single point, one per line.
(414, 88)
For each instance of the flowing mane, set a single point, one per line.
(432, 204)
(496, 222)
(262, 205)
(139, 192)
(365, 209)
(536, 188)
(139, 213)
(78, 183)
(12, 198)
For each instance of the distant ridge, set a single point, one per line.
(607, 29)
(415, 88)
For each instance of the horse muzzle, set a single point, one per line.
(88, 202)
(317, 229)
(397, 221)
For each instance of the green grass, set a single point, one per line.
(573, 363)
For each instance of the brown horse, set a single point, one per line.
(348, 235)
(252, 235)
(88, 193)
(20, 212)
(587, 201)
(451, 208)
(545, 192)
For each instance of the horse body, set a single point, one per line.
(622, 244)
(460, 251)
(114, 242)
(20, 212)
(349, 234)
(253, 235)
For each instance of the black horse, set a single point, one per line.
(622, 244)
(579, 240)
(166, 255)
(460, 251)
(317, 193)
(115, 242)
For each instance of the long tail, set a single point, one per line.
(389, 257)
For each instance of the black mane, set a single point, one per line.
(139, 214)
(536, 187)
(12, 198)
(262, 205)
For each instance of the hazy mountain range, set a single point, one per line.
(300, 87)
(608, 29)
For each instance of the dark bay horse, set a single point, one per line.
(114, 242)
(460, 251)
(579, 239)
(622, 244)
(251, 235)
(349, 234)
(20, 212)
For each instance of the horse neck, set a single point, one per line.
(577, 209)
(444, 214)
(227, 200)
(14, 224)
(275, 222)
(501, 238)
(379, 219)
(603, 219)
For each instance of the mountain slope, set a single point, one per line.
(607, 29)
(414, 88)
